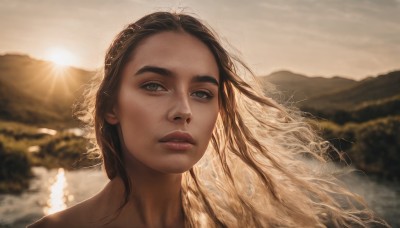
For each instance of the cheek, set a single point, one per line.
(206, 123)
(209, 122)
(138, 120)
(132, 115)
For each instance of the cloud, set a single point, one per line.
(306, 36)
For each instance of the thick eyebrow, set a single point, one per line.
(154, 69)
(206, 78)
(165, 72)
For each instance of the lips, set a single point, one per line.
(177, 140)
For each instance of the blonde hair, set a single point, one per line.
(265, 165)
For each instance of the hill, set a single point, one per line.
(16, 105)
(297, 87)
(35, 91)
(335, 94)
(368, 90)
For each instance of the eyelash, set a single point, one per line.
(208, 95)
(145, 86)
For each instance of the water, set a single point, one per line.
(54, 190)
(382, 196)
(49, 192)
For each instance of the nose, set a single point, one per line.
(180, 111)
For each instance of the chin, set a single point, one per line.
(176, 163)
(175, 168)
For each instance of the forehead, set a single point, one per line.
(177, 51)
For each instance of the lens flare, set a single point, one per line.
(60, 57)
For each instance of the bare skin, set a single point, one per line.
(170, 85)
(152, 209)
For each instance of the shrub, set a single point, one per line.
(14, 169)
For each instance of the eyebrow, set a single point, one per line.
(165, 72)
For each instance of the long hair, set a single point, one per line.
(265, 165)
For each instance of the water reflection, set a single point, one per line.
(47, 131)
(58, 194)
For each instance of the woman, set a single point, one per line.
(170, 95)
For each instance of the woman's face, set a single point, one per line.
(168, 102)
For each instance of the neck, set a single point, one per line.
(155, 197)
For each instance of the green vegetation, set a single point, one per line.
(14, 168)
(360, 118)
(51, 151)
(35, 93)
(64, 150)
(372, 146)
(362, 113)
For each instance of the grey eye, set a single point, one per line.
(202, 95)
(153, 87)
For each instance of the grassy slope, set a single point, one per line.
(33, 91)
(301, 87)
(381, 87)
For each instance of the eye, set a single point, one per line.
(205, 95)
(153, 87)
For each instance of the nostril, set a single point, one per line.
(182, 117)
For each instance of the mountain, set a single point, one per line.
(36, 91)
(335, 93)
(17, 106)
(299, 87)
(368, 90)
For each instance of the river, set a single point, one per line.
(54, 190)
(50, 191)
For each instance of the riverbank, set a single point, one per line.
(48, 192)
(23, 147)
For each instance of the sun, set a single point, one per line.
(60, 57)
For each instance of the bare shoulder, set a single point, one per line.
(93, 212)
(54, 220)
(80, 215)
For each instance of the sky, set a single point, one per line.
(348, 38)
